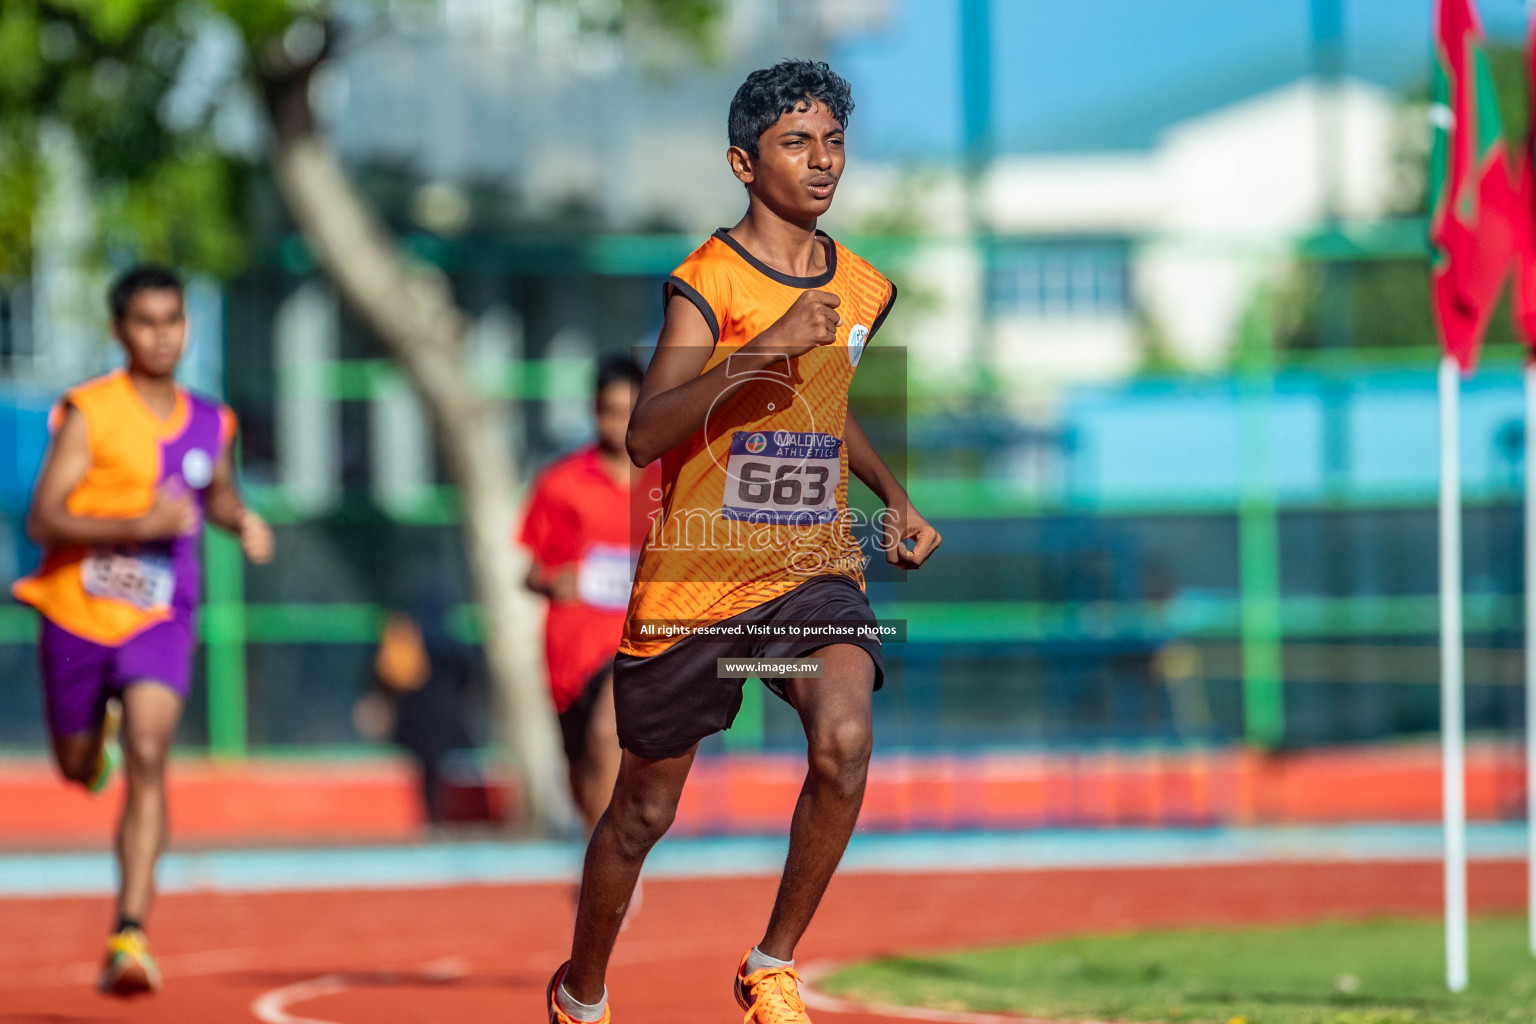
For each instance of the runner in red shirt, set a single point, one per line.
(587, 515)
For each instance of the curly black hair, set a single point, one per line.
(769, 92)
(145, 277)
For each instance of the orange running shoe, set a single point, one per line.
(557, 1015)
(770, 996)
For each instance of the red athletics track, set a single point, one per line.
(482, 954)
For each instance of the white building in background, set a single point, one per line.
(1094, 250)
(1098, 249)
(1091, 252)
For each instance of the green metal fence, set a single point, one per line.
(1258, 616)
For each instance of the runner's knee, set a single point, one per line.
(146, 753)
(78, 764)
(839, 753)
(642, 818)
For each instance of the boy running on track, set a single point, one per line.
(135, 466)
(585, 515)
(746, 404)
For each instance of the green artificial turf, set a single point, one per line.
(1383, 971)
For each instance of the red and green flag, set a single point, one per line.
(1473, 223)
(1525, 209)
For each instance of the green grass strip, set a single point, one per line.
(1384, 971)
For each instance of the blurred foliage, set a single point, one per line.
(20, 177)
(1382, 303)
(903, 214)
(103, 74)
(1158, 354)
(100, 73)
(898, 220)
(1364, 305)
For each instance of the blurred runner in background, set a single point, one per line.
(587, 515)
(136, 465)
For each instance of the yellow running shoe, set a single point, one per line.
(559, 1016)
(111, 751)
(770, 995)
(129, 969)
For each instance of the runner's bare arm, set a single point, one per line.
(868, 466)
(675, 396)
(558, 585)
(49, 520)
(901, 521)
(222, 503)
(226, 510)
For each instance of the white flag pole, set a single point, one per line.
(1452, 717)
(1530, 641)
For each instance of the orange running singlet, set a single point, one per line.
(110, 593)
(755, 502)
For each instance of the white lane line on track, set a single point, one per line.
(271, 1007)
(817, 1000)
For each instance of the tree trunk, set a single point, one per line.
(412, 311)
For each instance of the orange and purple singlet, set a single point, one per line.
(113, 615)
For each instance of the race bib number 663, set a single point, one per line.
(782, 477)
